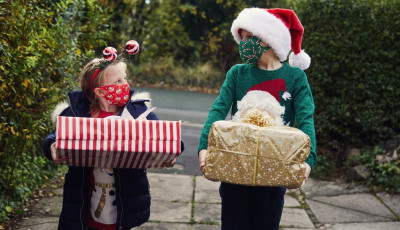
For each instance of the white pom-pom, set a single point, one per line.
(300, 60)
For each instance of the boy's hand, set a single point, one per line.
(308, 171)
(202, 158)
(169, 164)
(56, 160)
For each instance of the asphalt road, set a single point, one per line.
(192, 109)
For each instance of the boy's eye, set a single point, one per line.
(247, 37)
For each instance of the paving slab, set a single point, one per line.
(170, 211)
(163, 226)
(392, 201)
(295, 218)
(207, 191)
(206, 227)
(297, 228)
(290, 201)
(39, 223)
(367, 226)
(207, 213)
(315, 187)
(364, 202)
(326, 213)
(171, 187)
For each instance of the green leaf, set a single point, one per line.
(8, 209)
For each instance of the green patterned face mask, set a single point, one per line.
(250, 50)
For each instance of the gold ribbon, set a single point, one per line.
(257, 156)
(102, 201)
(248, 154)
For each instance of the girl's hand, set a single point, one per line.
(308, 171)
(202, 158)
(56, 160)
(169, 164)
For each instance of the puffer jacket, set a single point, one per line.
(132, 186)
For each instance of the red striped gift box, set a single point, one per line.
(117, 143)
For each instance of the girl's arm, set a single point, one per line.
(48, 141)
(48, 146)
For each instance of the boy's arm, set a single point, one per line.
(221, 106)
(304, 112)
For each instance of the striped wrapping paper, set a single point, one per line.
(117, 143)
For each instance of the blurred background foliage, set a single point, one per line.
(354, 76)
(187, 44)
(42, 46)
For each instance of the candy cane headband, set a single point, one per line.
(110, 54)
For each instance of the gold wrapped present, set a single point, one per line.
(246, 154)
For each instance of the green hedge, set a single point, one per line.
(354, 73)
(42, 46)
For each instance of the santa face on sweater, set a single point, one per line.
(259, 108)
(261, 105)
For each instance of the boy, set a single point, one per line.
(265, 38)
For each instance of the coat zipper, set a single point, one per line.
(120, 200)
(82, 196)
(83, 199)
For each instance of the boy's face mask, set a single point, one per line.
(116, 94)
(250, 50)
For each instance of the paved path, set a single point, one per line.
(186, 202)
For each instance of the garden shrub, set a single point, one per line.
(354, 72)
(384, 176)
(166, 72)
(42, 46)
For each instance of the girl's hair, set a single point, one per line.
(86, 79)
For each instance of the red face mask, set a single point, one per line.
(116, 94)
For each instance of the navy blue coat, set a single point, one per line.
(132, 186)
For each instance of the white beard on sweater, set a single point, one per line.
(261, 101)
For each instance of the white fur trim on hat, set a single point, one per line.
(142, 96)
(265, 26)
(301, 60)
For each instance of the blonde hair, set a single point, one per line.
(86, 79)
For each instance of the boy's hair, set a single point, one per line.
(86, 78)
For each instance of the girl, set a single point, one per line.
(265, 37)
(102, 198)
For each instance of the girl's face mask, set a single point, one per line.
(116, 94)
(251, 50)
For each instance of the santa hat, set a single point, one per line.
(280, 28)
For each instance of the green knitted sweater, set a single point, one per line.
(288, 83)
